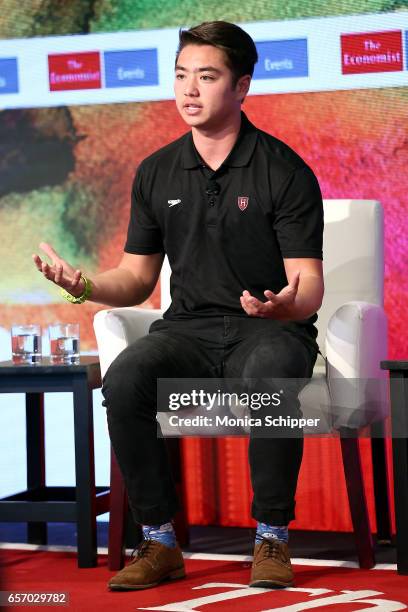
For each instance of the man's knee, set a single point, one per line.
(278, 357)
(130, 382)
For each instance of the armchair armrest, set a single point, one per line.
(356, 342)
(116, 328)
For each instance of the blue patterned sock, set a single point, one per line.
(269, 532)
(164, 534)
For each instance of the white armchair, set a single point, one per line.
(345, 391)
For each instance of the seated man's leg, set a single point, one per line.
(130, 391)
(275, 455)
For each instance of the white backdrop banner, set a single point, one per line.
(318, 54)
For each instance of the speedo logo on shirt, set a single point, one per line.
(173, 202)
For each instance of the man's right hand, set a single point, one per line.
(60, 271)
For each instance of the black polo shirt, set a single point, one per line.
(228, 230)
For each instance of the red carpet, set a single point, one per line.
(215, 586)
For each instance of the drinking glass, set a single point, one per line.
(64, 343)
(26, 344)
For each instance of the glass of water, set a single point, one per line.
(26, 344)
(64, 343)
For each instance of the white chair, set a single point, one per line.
(345, 390)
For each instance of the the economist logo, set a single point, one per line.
(74, 71)
(371, 52)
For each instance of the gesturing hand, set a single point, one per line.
(60, 272)
(278, 306)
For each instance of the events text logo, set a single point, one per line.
(8, 75)
(131, 68)
(278, 59)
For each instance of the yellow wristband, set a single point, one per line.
(81, 298)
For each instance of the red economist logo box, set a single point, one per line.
(74, 71)
(371, 52)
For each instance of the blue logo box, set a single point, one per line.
(131, 68)
(406, 49)
(8, 75)
(282, 59)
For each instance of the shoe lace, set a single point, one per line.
(271, 549)
(142, 550)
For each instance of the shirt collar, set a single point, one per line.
(239, 156)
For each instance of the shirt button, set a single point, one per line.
(211, 202)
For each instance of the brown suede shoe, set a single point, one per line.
(153, 563)
(271, 566)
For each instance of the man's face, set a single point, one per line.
(205, 96)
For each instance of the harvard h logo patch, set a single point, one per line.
(243, 202)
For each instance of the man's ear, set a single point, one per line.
(242, 86)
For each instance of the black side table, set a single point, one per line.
(399, 422)
(40, 504)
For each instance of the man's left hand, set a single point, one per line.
(278, 305)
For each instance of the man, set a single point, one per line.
(240, 217)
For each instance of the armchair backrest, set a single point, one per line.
(353, 258)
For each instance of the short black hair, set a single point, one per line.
(238, 47)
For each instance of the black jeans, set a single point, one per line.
(225, 346)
